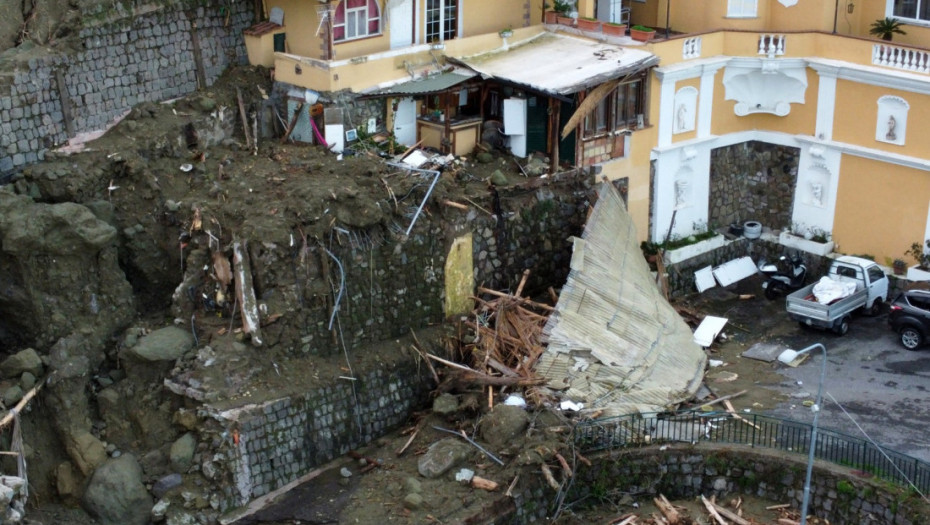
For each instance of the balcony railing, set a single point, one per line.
(772, 45)
(691, 48)
(901, 58)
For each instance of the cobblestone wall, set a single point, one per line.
(280, 440)
(687, 472)
(752, 181)
(126, 57)
(394, 285)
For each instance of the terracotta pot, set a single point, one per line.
(614, 29)
(552, 17)
(566, 20)
(642, 36)
(589, 25)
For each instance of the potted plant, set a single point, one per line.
(506, 33)
(560, 9)
(919, 252)
(610, 28)
(642, 33)
(589, 24)
(885, 28)
(899, 267)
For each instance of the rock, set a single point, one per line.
(87, 451)
(502, 424)
(154, 463)
(116, 495)
(442, 456)
(413, 501)
(484, 157)
(182, 518)
(26, 361)
(27, 381)
(6, 496)
(182, 452)
(165, 484)
(160, 510)
(445, 404)
(67, 480)
(344, 472)
(12, 395)
(498, 178)
(186, 418)
(412, 484)
(165, 344)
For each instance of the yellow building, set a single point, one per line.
(785, 112)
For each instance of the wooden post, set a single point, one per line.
(554, 109)
(245, 293)
(65, 100)
(198, 57)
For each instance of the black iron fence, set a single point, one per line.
(754, 431)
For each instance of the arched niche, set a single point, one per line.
(891, 122)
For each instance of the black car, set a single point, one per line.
(910, 318)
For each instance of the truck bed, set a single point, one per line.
(803, 307)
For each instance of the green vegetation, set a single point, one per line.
(643, 28)
(885, 28)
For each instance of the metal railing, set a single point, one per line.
(754, 430)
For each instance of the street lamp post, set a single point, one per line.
(787, 357)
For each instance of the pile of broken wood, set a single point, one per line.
(716, 514)
(502, 344)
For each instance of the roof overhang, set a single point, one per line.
(558, 64)
(424, 86)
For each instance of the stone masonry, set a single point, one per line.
(752, 181)
(127, 57)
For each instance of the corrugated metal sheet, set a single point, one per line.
(615, 343)
(432, 84)
(559, 64)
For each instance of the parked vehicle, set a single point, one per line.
(869, 290)
(781, 282)
(910, 318)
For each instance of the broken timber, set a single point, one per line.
(245, 293)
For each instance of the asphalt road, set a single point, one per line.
(880, 388)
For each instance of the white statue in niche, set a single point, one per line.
(681, 191)
(817, 194)
(681, 117)
(892, 124)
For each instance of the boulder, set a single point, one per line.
(12, 395)
(26, 361)
(503, 424)
(67, 480)
(87, 451)
(162, 486)
(182, 452)
(165, 344)
(116, 495)
(441, 457)
(445, 404)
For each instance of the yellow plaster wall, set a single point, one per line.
(300, 21)
(806, 15)
(460, 277)
(861, 227)
(645, 14)
(490, 16)
(858, 127)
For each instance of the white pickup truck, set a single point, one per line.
(869, 286)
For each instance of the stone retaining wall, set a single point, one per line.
(687, 472)
(260, 448)
(151, 53)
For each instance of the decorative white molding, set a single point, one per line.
(758, 91)
(788, 3)
(873, 76)
(693, 250)
(870, 153)
(691, 69)
(772, 45)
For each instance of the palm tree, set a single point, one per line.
(885, 28)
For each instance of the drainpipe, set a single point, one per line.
(836, 11)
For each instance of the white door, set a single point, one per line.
(405, 122)
(400, 22)
(515, 125)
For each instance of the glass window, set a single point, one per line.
(441, 20)
(914, 9)
(876, 274)
(356, 19)
(618, 110)
(742, 8)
